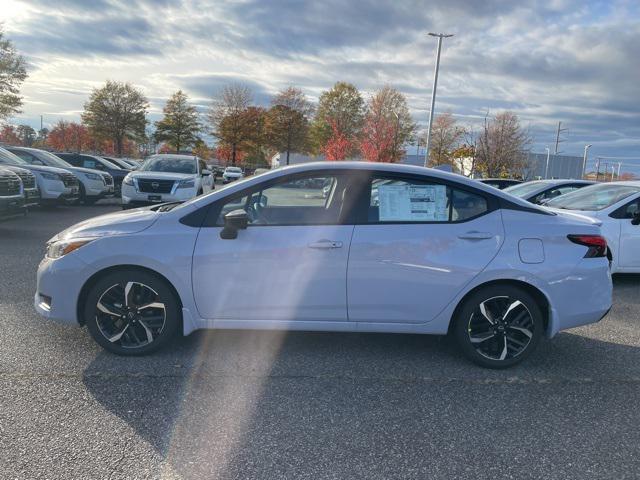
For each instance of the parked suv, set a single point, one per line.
(28, 179)
(232, 173)
(97, 163)
(94, 184)
(11, 194)
(55, 185)
(166, 178)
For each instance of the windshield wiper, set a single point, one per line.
(165, 207)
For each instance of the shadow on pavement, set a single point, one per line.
(249, 404)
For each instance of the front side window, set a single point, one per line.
(299, 201)
(417, 201)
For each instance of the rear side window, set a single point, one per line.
(395, 200)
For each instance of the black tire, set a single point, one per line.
(507, 341)
(133, 325)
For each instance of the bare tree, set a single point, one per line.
(228, 117)
(446, 136)
(502, 145)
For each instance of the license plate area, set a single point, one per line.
(155, 198)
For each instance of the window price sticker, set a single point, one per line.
(418, 203)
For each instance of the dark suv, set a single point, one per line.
(11, 194)
(97, 163)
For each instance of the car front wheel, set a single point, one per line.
(498, 326)
(131, 312)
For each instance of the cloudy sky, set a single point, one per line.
(575, 61)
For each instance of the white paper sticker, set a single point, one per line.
(418, 203)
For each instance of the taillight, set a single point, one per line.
(597, 244)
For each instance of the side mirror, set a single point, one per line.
(206, 173)
(636, 218)
(234, 221)
(37, 161)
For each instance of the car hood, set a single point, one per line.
(161, 175)
(117, 223)
(41, 168)
(14, 168)
(580, 215)
(83, 170)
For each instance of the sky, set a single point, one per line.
(574, 61)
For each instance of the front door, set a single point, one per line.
(290, 264)
(629, 255)
(419, 244)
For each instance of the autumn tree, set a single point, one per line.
(501, 146)
(338, 146)
(446, 136)
(9, 135)
(388, 126)
(287, 121)
(116, 112)
(13, 72)
(69, 136)
(339, 116)
(180, 125)
(228, 117)
(255, 144)
(26, 134)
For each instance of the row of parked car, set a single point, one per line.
(30, 177)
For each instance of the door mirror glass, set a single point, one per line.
(636, 218)
(234, 221)
(37, 161)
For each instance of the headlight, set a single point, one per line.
(51, 176)
(62, 247)
(189, 183)
(128, 180)
(93, 176)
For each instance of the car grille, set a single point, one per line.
(9, 184)
(108, 179)
(69, 179)
(28, 179)
(149, 185)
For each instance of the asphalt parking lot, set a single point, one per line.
(274, 405)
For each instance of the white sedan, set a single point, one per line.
(617, 206)
(389, 248)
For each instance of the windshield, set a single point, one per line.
(234, 170)
(53, 160)
(8, 158)
(594, 197)
(523, 189)
(109, 164)
(169, 164)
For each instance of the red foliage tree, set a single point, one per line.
(70, 136)
(378, 140)
(9, 135)
(338, 145)
(224, 154)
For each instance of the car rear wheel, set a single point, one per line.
(131, 312)
(498, 326)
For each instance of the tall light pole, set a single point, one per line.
(433, 92)
(546, 169)
(584, 159)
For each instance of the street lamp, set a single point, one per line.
(433, 92)
(584, 159)
(546, 169)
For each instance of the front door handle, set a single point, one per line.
(325, 244)
(476, 236)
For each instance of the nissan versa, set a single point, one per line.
(386, 248)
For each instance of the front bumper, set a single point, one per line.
(132, 198)
(59, 283)
(11, 206)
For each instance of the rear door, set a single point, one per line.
(416, 246)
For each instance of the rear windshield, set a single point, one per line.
(594, 197)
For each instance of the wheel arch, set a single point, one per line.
(84, 291)
(535, 292)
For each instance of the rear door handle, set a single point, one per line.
(476, 236)
(325, 244)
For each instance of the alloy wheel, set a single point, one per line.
(130, 315)
(501, 328)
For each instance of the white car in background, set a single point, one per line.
(94, 184)
(617, 206)
(231, 174)
(166, 178)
